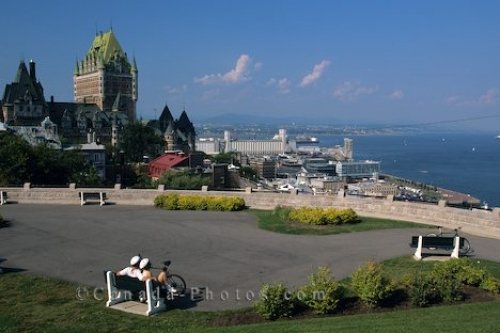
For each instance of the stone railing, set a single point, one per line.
(479, 222)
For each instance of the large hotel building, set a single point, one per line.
(105, 75)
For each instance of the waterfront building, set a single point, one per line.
(348, 149)
(106, 73)
(23, 102)
(357, 169)
(275, 146)
(209, 146)
(304, 145)
(319, 166)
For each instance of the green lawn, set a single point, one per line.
(273, 221)
(480, 317)
(39, 304)
(398, 267)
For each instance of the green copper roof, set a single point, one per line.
(105, 46)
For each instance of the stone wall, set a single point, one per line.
(479, 222)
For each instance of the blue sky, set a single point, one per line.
(355, 62)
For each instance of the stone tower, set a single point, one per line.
(104, 73)
(23, 102)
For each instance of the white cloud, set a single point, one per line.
(176, 90)
(237, 74)
(283, 84)
(316, 73)
(350, 91)
(453, 100)
(257, 66)
(396, 94)
(271, 81)
(488, 98)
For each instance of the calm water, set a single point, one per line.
(468, 163)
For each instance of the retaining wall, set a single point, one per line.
(478, 222)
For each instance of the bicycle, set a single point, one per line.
(174, 280)
(463, 250)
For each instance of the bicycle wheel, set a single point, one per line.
(466, 248)
(176, 281)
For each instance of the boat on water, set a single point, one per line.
(498, 136)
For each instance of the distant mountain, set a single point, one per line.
(241, 119)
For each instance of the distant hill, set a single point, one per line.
(241, 119)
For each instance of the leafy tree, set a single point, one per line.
(183, 180)
(140, 140)
(41, 164)
(46, 166)
(248, 172)
(224, 157)
(14, 158)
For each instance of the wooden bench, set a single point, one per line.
(3, 198)
(431, 243)
(86, 196)
(126, 289)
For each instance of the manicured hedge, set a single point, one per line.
(323, 216)
(174, 201)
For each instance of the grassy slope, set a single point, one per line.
(480, 317)
(38, 304)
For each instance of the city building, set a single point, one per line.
(23, 102)
(357, 169)
(104, 74)
(264, 168)
(179, 134)
(76, 120)
(44, 133)
(164, 163)
(95, 154)
(348, 149)
(209, 146)
(319, 166)
(305, 145)
(275, 146)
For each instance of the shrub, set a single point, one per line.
(447, 280)
(199, 202)
(422, 290)
(320, 216)
(491, 284)
(370, 285)
(323, 293)
(275, 301)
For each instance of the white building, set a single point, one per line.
(256, 147)
(209, 146)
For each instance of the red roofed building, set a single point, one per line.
(162, 164)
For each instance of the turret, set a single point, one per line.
(33, 70)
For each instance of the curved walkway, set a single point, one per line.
(223, 252)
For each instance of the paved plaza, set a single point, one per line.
(226, 253)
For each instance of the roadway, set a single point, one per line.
(226, 253)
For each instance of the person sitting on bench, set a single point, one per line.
(133, 270)
(145, 267)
